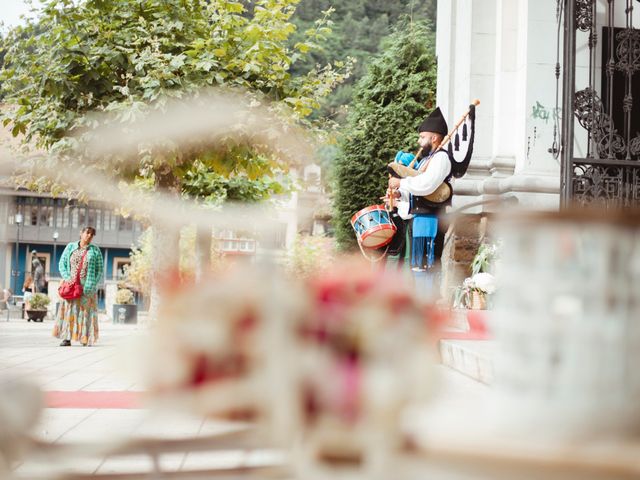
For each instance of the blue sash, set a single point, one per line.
(425, 229)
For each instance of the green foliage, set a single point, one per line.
(204, 184)
(390, 102)
(3, 51)
(139, 271)
(357, 28)
(129, 57)
(39, 301)
(310, 254)
(485, 258)
(124, 296)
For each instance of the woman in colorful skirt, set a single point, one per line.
(77, 319)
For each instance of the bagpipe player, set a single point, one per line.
(420, 185)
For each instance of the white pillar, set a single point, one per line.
(502, 52)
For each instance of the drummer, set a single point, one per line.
(427, 238)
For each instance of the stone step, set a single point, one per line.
(473, 358)
(466, 324)
(459, 319)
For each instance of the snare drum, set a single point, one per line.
(373, 226)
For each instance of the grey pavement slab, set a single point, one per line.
(55, 423)
(29, 349)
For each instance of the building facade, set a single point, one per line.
(510, 55)
(46, 225)
(503, 53)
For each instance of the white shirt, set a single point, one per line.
(403, 209)
(437, 171)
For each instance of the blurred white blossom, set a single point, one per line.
(484, 282)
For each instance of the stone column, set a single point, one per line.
(502, 52)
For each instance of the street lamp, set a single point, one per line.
(17, 264)
(55, 244)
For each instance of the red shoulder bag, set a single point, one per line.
(70, 290)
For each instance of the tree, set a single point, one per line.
(358, 28)
(2, 54)
(389, 103)
(130, 57)
(111, 55)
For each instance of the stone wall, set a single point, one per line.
(464, 236)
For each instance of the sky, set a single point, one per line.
(10, 11)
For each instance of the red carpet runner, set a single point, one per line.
(83, 399)
(477, 328)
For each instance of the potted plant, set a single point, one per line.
(485, 258)
(125, 309)
(474, 290)
(38, 307)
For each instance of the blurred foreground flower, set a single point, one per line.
(20, 406)
(365, 357)
(331, 362)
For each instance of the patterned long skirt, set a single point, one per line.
(77, 320)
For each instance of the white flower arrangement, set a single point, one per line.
(484, 282)
(473, 291)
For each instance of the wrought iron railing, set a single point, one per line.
(601, 106)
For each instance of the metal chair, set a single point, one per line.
(15, 303)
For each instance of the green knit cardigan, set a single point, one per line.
(94, 267)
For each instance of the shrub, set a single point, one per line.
(310, 255)
(39, 301)
(390, 101)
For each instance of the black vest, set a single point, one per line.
(419, 205)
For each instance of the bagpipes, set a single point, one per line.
(459, 151)
(375, 226)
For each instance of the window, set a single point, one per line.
(125, 224)
(13, 211)
(30, 215)
(107, 220)
(91, 218)
(616, 86)
(98, 223)
(82, 217)
(66, 214)
(59, 214)
(247, 246)
(46, 216)
(74, 217)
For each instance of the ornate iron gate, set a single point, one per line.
(600, 154)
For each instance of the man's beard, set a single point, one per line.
(426, 149)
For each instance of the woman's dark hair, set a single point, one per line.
(91, 230)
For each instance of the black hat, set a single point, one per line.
(435, 123)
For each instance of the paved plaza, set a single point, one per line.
(92, 399)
